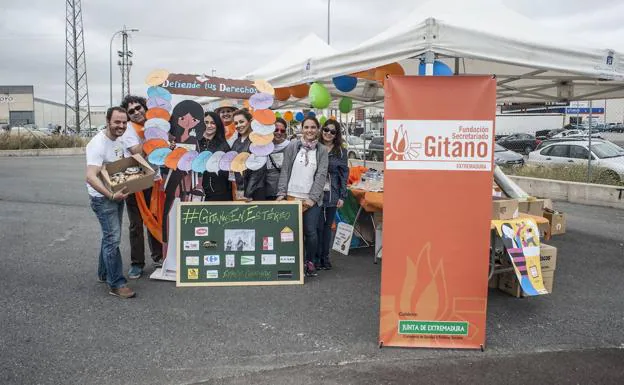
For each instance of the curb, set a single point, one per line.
(573, 192)
(43, 152)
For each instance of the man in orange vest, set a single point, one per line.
(137, 107)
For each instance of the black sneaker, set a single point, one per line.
(158, 263)
(310, 269)
(328, 265)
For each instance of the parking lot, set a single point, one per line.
(59, 325)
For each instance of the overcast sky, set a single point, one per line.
(232, 37)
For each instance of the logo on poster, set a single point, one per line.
(211, 260)
(439, 145)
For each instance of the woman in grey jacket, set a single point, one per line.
(276, 158)
(335, 190)
(303, 176)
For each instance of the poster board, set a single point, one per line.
(239, 243)
(437, 208)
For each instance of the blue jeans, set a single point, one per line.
(110, 213)
(326, 218)
(310, 232)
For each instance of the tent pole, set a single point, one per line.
(429, 59)
(589, 156)
(456, 66)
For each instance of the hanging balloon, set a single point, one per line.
(345, 83)
(319, 96)
(299, 116)
(278, 114)
(439, 69)
(288, 116)
(346, 105)
(312, 114)
(322, 120)
(282, 94)
(299, 91)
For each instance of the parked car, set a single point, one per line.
(523, 143)
(355, 147)
(577, 133)
(604, 154)
(568, 139)
(370, 135)
(615, 127)
(376, 149)
(505, 157)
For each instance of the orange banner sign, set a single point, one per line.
(437, 211)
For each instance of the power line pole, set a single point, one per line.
(76, 86)
(125, 63)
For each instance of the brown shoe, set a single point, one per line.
(123, 292)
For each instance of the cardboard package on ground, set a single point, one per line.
(548, 258)
(557, 221)
(509, 284)
(532, 206)
(504, 208)
(140, 183)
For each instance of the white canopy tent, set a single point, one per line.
(531, 61)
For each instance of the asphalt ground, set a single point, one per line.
(58, 325)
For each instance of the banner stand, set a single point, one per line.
(169, 267)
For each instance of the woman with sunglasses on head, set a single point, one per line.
(276, 158)
(250, 184)
(335, 189)
(302, 178)
(216, 186)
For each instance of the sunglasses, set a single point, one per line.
(135, 109)
(329, 131)
(280, 130)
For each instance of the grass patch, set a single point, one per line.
(27, 141)
(572, 173)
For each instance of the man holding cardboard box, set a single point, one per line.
(107, 146)
(136, 107)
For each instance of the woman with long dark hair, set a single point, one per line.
(335, 189)
(216, 186)
(276, 158)
(303, 175)
(250, 184)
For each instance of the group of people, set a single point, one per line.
(312, 169)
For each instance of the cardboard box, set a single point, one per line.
(493, 282)
(504, 208)
(138, 184)
(532, 206)
(557, 221)
(548, 258)
(509, 284)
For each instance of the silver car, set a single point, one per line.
(604, 154)
(505, 157)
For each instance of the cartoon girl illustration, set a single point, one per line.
(187, 126)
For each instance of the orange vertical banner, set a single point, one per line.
(437, 211)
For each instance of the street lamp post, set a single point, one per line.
(110, 59)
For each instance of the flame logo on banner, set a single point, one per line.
(400, 148)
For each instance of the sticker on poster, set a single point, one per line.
(230, 260)
(201, 231)
(247, 260)
(193, 274)
(342, 240)
(192, 261)
(287, 235)
(212, 260)
(268, 259)
(212, 274)
(287, 259)
(239, 240)
(191, 245)
(267, 243)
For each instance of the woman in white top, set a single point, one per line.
(303, 176)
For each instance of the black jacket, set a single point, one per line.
(213, 183)
(249, 181)
(338, 176)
